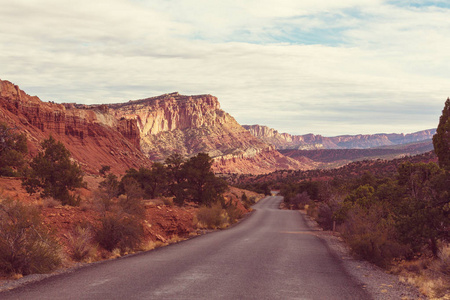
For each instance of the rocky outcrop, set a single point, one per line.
(92, 135)
(192, 124)
(312, 142)
(133, 133)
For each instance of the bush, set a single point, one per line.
(80, 244)
(444, 260)
(167, 201)
(371, 236)
(248, 202)
(325, 216)
(211, 217)
(312, 209)
(54, 174)
(132, 206)
(233, 213)
(299, 200)
(13, 147)
(25, 245)
(119, 230)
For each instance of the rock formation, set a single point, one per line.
(135, 133)
(93, 136)
(192, 124)
(312, 142)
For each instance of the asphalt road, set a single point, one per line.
(270, 255)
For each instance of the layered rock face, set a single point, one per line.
(191, 124)
(134, 133)
(93, 135)
(312, 142)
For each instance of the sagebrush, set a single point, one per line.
(26, 246)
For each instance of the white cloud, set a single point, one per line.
(370, 67)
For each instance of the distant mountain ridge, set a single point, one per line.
(314, 142)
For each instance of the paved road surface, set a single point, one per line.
(270, 255)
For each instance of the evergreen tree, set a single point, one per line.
(203, 186)
(441, 140)
(13, 147)
(422, 217)
(176, 177)
(54, 174)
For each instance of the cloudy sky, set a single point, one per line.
(301, 66)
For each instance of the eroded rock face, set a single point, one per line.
(192, 124)
(313, 142)
(92, 135)
(125, 135)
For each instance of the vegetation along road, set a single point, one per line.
(270, 255)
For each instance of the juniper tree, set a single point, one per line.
(54, 174)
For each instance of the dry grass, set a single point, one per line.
(431, 276)
(444, 260)
(167, 201)
(26, 246)
(150, 245)
(50, 202)
(213, 217)
(80, 245)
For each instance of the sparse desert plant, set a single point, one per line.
(133, 206)
(119, 230)
(211, 217)
(80, 244)
(300, 200)
(444, 259)
(50, 202)
(248, 202)
(167, 201)
(325, 216)
(150, 245)
(26, 247)
(110, 186)
(101, 201)
(233, 213)
(311, 209)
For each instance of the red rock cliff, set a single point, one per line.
(192, 124)
(93, 136)
(127, 134)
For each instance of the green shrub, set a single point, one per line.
(371, 235)
(132, 206)
(13, 148)
(233, 213)
(54, 174)
(248, 202)
(312, 209)
(25, 245)
(119, 230)
(211, 217)
(325, 216)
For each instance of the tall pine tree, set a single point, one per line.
(441, 140)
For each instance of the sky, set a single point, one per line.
(300, 66)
